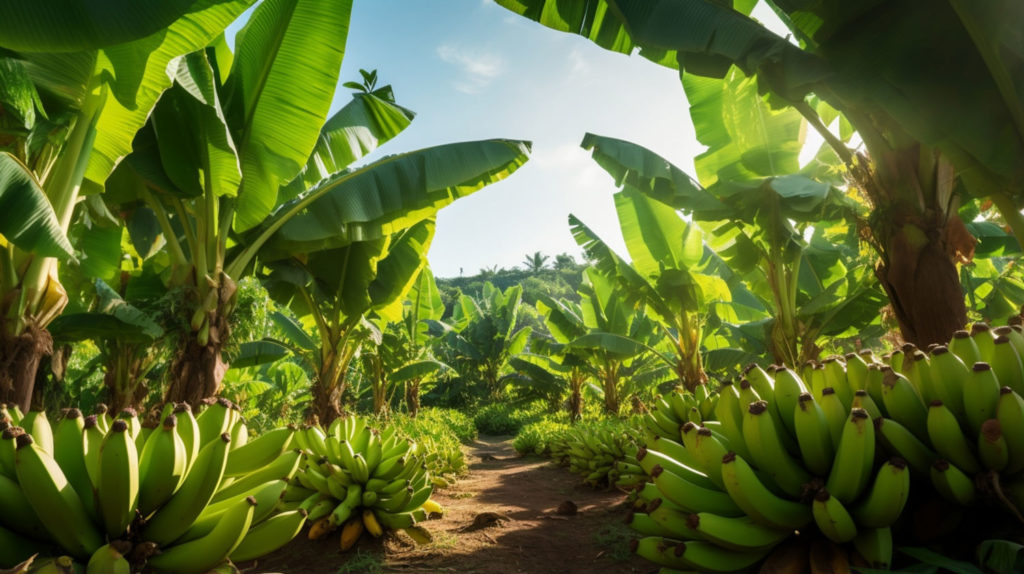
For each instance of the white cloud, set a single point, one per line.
(477, 69)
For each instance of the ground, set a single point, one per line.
(518, 529)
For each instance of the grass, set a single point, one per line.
(362, 563)
(459, 495)
(615, 537)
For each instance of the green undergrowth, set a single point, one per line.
(439, 435)
(505, 419)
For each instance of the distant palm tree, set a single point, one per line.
(564, 261)
(535, 262)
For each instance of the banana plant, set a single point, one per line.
(482, 335)
(129, 340)
(905, 75)
(336, 291)
(606, 338)
(74, 93)
(403, 356)
(672, 275)
(780, 226)
(243, 168)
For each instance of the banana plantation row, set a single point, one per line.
(180, 223)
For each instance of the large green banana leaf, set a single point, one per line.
(388, 195)
(26, 216)
(361, 126)
(137, 74)
(397, 273)
(948, 73)
(75, 25)
(285, 69)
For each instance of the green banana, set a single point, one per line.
(739, 533)
(709, 451)
(284, 467)
(761, 435)
(197, 556)
(54, 499)
(904, 404)
(692, 497)
(201, 482)
(952, 483)
(695, 554)
(992, 447)
(639, 521)
(901, 442)
(69, 452)
(1010, 414)
(109, 559)
(753, 497)
(948, 440)
(92, 442)
(835, 413)
(214, 420)
(18, 514)
(981, 393)
(983, 339)
(649, 459)
(8, 438)
(188, 430)
(270, 535)
(814, 435)
(855, 456)
(788, 388)
(162, 466)
(37, 425)
(118, 488)
(730, 414)
(259, 452)
(832, 518)
(1006, 364)
(863, 400)
(963, 346)
(884, 503)
(835, 377)
(948, 376)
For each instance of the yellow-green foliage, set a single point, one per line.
(437, 435)
(537, 438)
(504, 419)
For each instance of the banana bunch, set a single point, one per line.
(956, 414)
(678, 407)
(603, 453)
(181, 497)
(779, 454)
(357, 478)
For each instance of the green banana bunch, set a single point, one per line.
(604, 453)
(161, 494)
(350, 472)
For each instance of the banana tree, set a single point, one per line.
(403, 357)
(73, 93)
(606, 337)
(780, 226)
(671, 274)
(483, 337)
(927, 86)
(241, 169)
(128, 338)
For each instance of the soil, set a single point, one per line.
(507, 516)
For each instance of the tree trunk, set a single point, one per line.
(123, 379)
(196, 372)
(920, 237)
(412, 397)
(326, 402)
(575, 405)
(19, 361)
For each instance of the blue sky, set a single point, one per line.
(473, 70)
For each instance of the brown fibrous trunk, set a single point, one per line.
(326, 404)
(923, 286)
(19, 361)
(412, 398)
(196, 372)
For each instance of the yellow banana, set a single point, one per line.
(371, 524)
(350, 533)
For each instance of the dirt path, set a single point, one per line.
(527, 537)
